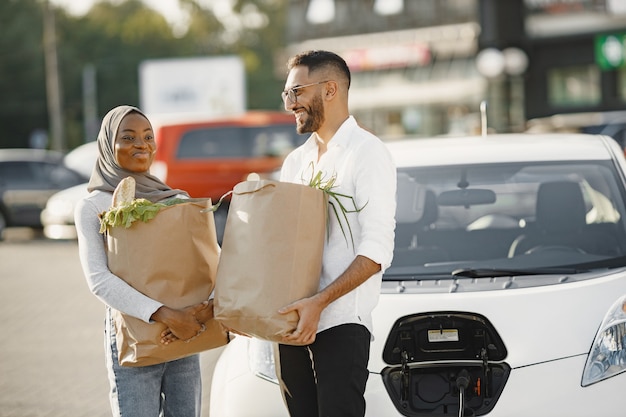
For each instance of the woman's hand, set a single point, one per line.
(202, 313)
(182, 323)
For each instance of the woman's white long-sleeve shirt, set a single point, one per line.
(109, 288)
(364, 170)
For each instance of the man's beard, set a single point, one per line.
(314, 118)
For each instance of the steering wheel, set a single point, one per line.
(554, 248)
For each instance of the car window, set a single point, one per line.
(16, 173)
(238, 142)
(62, 177)
(458, 215)
(37, 175)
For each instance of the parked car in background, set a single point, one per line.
(507, 291)
(208, 158)
(57, 217)
(82, 158)
(28, 177)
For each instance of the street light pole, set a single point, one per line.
(503, 70)
(53, 82)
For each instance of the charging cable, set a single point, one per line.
(462, 382)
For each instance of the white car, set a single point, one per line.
(82, 158)
(507, 293)
(57, 217)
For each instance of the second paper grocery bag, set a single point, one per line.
(271, 256)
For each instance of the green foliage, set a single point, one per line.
(126, 214)
(340, 210)
(23, 105)
(115, 37)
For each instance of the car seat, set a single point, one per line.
(406, 232)
(410, 249)
(560, 219)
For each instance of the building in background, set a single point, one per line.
(422, 67)
(576, 79)
(412, 61)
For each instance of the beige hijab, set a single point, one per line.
(107, 173)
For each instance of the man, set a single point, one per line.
(323, 363)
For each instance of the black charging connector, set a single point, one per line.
(462, 382)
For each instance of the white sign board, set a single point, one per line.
(207, 87)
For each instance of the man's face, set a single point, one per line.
(308, 107)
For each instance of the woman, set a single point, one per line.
(126, 147)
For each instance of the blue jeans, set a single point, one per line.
(171, 389)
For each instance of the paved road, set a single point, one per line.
(51, 339)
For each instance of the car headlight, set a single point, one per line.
(261, 354)
(608, 351)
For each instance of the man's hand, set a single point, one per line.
(309, 311)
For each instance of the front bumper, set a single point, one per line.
(550, 389)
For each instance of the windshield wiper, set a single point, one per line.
(443, 271)
(495, 272)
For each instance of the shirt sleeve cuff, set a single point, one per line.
(377, 253)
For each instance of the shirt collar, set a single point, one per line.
(343, 135)
(340, 138)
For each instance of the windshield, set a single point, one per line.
(507, 217)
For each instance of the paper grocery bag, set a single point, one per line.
(173, 259)
(271, 256)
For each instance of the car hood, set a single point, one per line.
(83, 158)
(72, 194)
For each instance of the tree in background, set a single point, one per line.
(114, 39)
(259, 46)
(254, 30)
(22, 75)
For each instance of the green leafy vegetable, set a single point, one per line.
(334, 200)
(138, 209)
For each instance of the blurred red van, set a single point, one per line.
(208, 158)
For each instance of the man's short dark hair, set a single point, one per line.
(316, 60)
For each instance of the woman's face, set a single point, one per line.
(134, 143)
